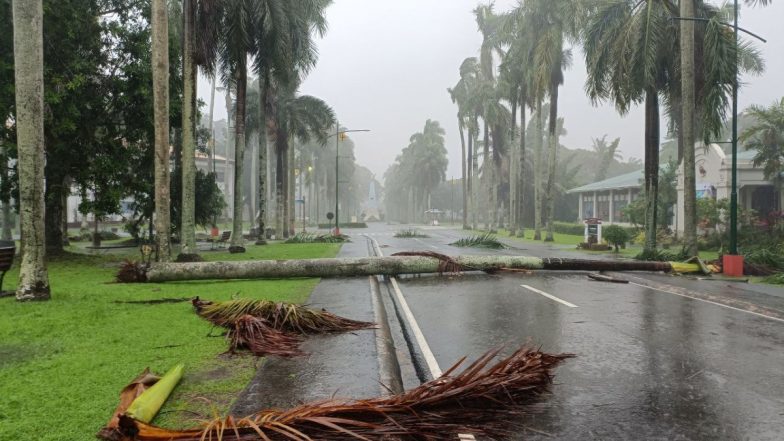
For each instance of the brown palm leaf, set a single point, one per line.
(255, 335)
(281, 316)
(484, 399)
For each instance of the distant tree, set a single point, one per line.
(616, 235)
(766, 136)
(608, 153)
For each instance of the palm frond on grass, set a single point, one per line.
(486, 240)
(484, 399)
(410, 233)
(131, 272)
(318, 238)
(257, 336)
(285, 317)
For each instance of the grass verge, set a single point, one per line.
(63, 362)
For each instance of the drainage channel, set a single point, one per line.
(414, 365)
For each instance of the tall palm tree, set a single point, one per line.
(766, 136)
(188, 160)
(607, 153)
(459, 96)
(160, 80)
(29, 80)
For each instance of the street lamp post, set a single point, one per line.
(338, 134)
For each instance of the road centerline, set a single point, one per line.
(549, 296)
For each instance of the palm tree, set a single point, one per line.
(459, 95)
(631, 55)
(607, 153)
(188, 160)
(160, 80)
(766, 136)
(29, 80)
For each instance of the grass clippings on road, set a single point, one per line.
(63, 362)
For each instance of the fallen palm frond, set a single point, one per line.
(318, 238)
(146, 406)
(410, 233)
(255, 335)
(285, 317)
(486, 240)
(127, 395)
(484, 399)
(132, 272)
(447, 264)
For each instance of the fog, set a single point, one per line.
(385, 66)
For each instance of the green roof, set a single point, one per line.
(625, 181)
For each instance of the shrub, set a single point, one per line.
(616, 236)
(662, 255)
(410, 233)
(317, 238)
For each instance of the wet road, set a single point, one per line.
(650, 365)
(661, 358)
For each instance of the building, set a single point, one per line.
(606, 199)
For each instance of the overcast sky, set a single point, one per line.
(385, 66)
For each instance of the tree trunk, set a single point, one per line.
(470, 216)
(262, 164)
(280, 155)
(290, 211)
(211, 164)
(160, 77)
(688, 106)
(237, 241)
(476, 183)
(64, 209)
(391, 266)
(53, 216)
(227, 151)
(513, 171)
(487, 172)
(5, 196)
(188, 193)
(552, 160)
(538, 174)
(521, 165)
(463, 166)
(651, 167)
(33, 281)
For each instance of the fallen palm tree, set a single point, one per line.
(414, 263)
(286, 317)
(484, 399)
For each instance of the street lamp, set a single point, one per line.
(338, 135)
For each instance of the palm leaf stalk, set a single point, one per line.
(261, 339)
(281, 316)
(485, 399)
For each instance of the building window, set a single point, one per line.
(587, 207)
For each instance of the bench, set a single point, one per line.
(222, 239)
(7, 251)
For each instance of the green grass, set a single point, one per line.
(63, 362)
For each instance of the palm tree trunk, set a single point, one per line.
(651, 167)
(33, 281)
(188, 215)
(290, 193)
(463, 165)
(280, 155)
(237, 241)
(538, 174)
(227, 151)
(262, 165)
(513, 170)
(469, 215)
(688, 106)
(552, 160)
(476, 184)
(160, 79)
(5, 196)
(487, 172)
(520, 227)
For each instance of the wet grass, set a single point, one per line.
(63, 362)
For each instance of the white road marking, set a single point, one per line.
(549, 296)
(709, 301)
(430, 359)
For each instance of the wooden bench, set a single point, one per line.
(7, 251)
(222, 239)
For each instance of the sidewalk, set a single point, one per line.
(339, 365)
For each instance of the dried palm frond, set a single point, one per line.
(486, 240)
(128, 394)
(281, 316)
(255, 335)
(483, 399)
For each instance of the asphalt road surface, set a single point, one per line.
(659, 358)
